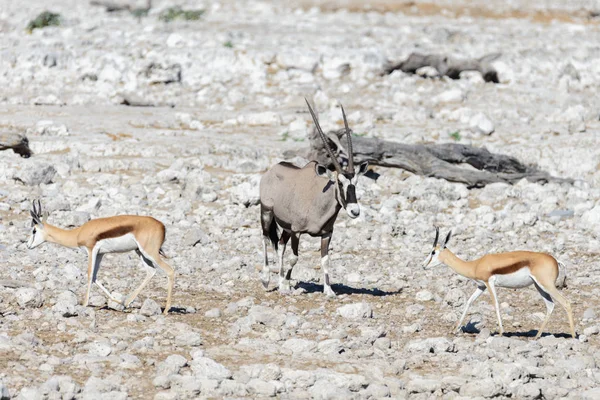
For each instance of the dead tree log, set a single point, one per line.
(448, 66)
(433, 160)
(18, 143)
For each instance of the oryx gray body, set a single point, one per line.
(301, 200)
(306, 200)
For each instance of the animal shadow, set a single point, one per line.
(339, 288)
(533, 332)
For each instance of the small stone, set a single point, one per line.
(66, 304)
(420, 385)
(207, 368)
(261, 388)
(35, 174)
(592, 330)
(382, 343)
(481, 124)
(29, 297)
(171, 365)
(188, 339)
(449, 96)
(99, 349)
(213, 313)
(529, 390)
(356, 311)
(424, 295)
(150, 308)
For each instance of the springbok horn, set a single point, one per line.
(437, 236)
(35, 210)
(349, 135)
(334, 160)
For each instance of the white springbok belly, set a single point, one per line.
(519, 279)
(119, 244)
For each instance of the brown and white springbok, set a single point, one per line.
(306, 200)
(515, 270)
(120, 234)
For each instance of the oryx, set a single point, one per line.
(306, 200)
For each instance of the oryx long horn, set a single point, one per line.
(437, 236)
(349, 135)
(334, 160)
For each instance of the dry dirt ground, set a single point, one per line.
(226, 100)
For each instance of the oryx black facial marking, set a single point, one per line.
(307, 200)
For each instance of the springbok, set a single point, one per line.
(100, 236)
(306, 200)
(515, 270)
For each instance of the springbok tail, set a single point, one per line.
(561, 279)
(162, 253)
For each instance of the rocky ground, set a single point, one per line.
(227, 95)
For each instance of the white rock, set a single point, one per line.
(29, 297)
(449, 96)
(424, 295)
(65, 304)
(267, 118)
(207, 368)
(34, 174)
(213, 313)
(50, 128)
(481, 124)
(356, 311)
(150, 308)
(188, 339)
(101, 349)
(259, 387)
(175, 40)
(171, 365)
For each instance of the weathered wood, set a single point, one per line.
(18, 143)
(434, 160)
(448, 65)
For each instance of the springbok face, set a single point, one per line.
(433, 257)
(38, 233)
(348, 178)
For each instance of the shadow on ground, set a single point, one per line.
(339, 288)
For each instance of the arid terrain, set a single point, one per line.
(129, 114)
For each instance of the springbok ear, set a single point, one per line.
(45, 217)
(363, 168)
(447, 238)
(321, 170)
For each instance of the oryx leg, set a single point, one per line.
(150, 271)
(269, 230)
(293, 258)
(474, 296)
(492, 288)
(285, 237)
(325, 264)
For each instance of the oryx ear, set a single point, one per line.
(363, 168)
(321, 170)
(447, 238)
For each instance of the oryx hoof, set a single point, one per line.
(285, 290)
